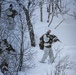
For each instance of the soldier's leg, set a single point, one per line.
(45, 55)
(51, 56)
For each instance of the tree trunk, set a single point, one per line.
(21, 59)
(41, 13)
(30, 27)
(0, 10)
(22, 46)
(60, 4)
(52, 15)
(49, 13)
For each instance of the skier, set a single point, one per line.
(47, 45)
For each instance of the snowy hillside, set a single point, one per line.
(1, 73)
(21, 30)
(66, 33)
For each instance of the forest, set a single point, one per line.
(23, 22)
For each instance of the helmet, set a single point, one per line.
(49, 31)
(10, 6)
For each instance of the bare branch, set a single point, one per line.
(59, 23)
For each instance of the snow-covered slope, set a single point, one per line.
(65, 32)
(1, 73)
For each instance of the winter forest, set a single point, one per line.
(37, 37)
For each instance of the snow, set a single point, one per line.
(1, 73)
(21, 73)
(65, 33)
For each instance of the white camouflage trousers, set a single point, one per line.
(48, 52)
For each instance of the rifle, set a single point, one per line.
(59, 40)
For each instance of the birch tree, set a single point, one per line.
(28, 12)
(41, 10)
(74, 12)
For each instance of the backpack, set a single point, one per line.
(41, 44)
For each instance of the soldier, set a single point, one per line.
(4, 67)
(11, 13)
(47, 43)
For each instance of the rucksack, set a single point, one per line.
(41, 44)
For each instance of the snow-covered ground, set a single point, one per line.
(1, 73)
(65, 32)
